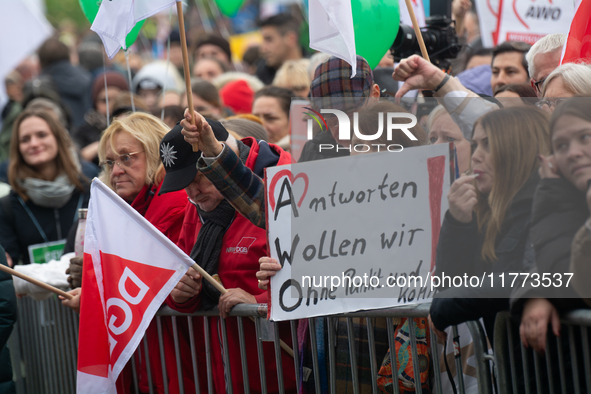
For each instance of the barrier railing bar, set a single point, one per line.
(25, 327)
(162, 358)
(148, 366)
(574, 358)
(548, 359)
(458, 359)
(51, 346)
(193, 355)
(538, 372)
(393, 356)
(352, 354)
(332, 357)
(526, 369)
(134, 375)
(263, 374)
(243, 355)
(372, 354)
(36, 371)
(296, 354)
(415, 355)
(586, 357)
(45, 347)
(435, 358)
(226, 356)
(68, 360)
(314, 346)
(483, 370)
(512, 357)
(561, 364)
(177, 354)
(208, 354)
(56, 317)
(278, 361)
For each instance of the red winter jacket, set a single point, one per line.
(243, 245)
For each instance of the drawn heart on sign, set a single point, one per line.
(280, 175)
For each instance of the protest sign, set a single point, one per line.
(528, 21)
(351, 232)
(488, 12)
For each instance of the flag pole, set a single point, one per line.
(415, 25)
(223, 290)
(36, 282)
(179, 10)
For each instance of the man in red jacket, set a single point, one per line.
(228, 246)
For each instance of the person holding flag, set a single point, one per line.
(227, 246)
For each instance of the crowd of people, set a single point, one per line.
(518, 120)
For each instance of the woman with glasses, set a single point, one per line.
(568, 80)
(129, 155)
(48, 188)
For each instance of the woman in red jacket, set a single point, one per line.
(129, 156)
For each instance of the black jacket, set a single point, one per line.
(73, 85)
(311, 150)
(459, 252)
(559, 210)
(8, 316)
(18, 231)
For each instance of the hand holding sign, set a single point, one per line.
(462, 198)
(200, 133)
(268, 268)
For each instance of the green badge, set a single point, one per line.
(44, 252)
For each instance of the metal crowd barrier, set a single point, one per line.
(44, 348)
(565, 367)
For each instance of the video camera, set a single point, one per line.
(440, 39)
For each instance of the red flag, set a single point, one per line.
(129, 269)
(578, 44)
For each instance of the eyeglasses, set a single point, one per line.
(549, 103)
(124, 160)
(538, 84)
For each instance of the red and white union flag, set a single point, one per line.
(129, 269)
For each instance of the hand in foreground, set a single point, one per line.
(537, 314)
(462, 198)
(548, 168)
(200, 133)
(417, 73)
(75, 272)
(442, 335)
(74, 303)
(268, 268)
(233, 297)
(188, 287)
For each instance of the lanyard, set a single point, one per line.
(36, 223)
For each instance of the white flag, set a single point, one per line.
(130, 267)
(331, 29)
(115, 19)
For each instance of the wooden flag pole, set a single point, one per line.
(36, 282)
(418, 33)
(223, 290)
(187, 72)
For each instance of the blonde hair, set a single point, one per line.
(516, 137)
(65, 160)
(149, 131)
(435, 113)
(293, 74)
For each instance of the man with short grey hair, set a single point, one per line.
(543, 58)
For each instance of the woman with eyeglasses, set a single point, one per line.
(129, 156)
(48, 188)
(568, 80)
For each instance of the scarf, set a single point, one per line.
(208, 247)
(49, 194)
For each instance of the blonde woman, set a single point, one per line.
(486, 227)
(293, 75)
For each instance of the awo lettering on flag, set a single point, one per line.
(115, 19)
(130, 267)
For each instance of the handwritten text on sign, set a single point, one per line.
(355, 233)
